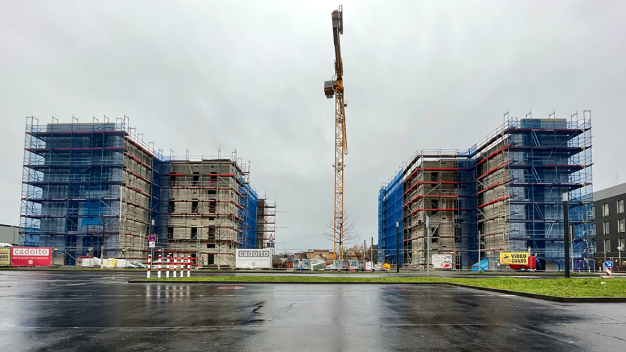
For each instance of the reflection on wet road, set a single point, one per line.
(100, 311)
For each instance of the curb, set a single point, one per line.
(516, 293)
(294, 273)
(283, 282)
(547, 297)
(95, 270)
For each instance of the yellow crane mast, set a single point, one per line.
(334, 88)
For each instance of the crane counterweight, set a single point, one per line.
(329, 89)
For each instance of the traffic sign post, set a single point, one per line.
(149, 265)
(607, 266)
(152, 244)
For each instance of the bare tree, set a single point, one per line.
(358, 250)
(349, 233)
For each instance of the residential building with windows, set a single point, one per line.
(610, 223)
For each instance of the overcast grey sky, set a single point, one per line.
(248, 75)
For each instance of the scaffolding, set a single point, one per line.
(74, 182)
(390, 212)
(248, 213)
(97, 189)
(524, 168)
(207, 198)
(508, 188)
(438, 185)
(266, 224)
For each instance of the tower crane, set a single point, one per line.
(334, 88)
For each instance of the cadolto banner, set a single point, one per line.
(253, 258)
(31, 256)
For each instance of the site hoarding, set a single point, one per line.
(31, 256)
(253, 258)
(337, 263)
(514, 258)
(442, 261)
(5, 256)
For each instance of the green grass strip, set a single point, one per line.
(578, 287)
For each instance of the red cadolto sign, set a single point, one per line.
(31, 256)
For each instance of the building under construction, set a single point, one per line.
(266, 223)
(97, 189)
(503, 194)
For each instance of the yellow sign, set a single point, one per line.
(515, 258)
(5, 256)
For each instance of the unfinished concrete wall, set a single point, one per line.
(492, 198)
(203, 209)
(431, 190)
(136, 192)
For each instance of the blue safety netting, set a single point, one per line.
(390, 211)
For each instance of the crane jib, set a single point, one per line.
(334, 88)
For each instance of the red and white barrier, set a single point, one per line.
(159, 266)
(175, 263)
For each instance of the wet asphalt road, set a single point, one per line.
(87, 311)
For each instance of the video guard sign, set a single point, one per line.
(514, 258)
(253, 258)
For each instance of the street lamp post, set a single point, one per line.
(566, 234)
(101, 255)
(372, 252)
(427, 246)
(102, 246)
(397, 246)
(218, 244)
(479, 242)
(364, 251)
